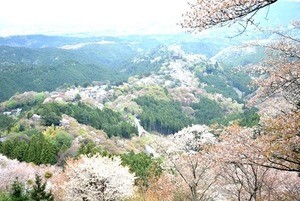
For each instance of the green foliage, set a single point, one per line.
(34, 149)
(241, 81)
(48, 108)
(7, 148)
(39, 98)
(11, 104)
(38, 149)
(5, 197)
(223, 81)
(162, 116)
(248, 118)
(38, 192)
(157, 92)
(6, 122)
(19, 150)
(108, 120)
(143, 166)
(49, 68)
(88, 148)
(218, 84)
(77, 97)
(50, 114)
(25, 101)
(41, 150)
(48, 154)
(62, 140)
(206, 111)
(18, 128)
(49, 119)
(18, 193)
(30, 132)
(224, 90)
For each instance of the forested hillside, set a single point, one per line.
(50, 62)
(155, 117)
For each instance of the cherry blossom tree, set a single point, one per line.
(251, 160)
(167, 186)
(186, 155)
(246, 171)
(279, 73)
(25, 172)
(97, 178)
(279, 139)
(279, 143)
(282, 68)
(204, 14)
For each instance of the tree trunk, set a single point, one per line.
(194, 195)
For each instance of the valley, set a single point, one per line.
(175, 112)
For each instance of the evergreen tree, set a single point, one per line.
(6, 122)
(34, 149)
(163, 116)
(7, 148)
(51, 119)
(17, 193)
(88, 148)
(19, 151)
(38, 192)
(207, 110)
(143, 166)
(48, 154)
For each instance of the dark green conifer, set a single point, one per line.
(17, 193)
(7, 148)
(31, 153)
(48, 154)
(19, 150)
(39, 192)
(34, 150)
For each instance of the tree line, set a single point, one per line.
(163, 116)
(108, 120)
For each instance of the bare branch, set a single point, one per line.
(209, 13)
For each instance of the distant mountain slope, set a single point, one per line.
(24, 69)
(38, 62)
(41, 41)
(167, 89)
(39, 69)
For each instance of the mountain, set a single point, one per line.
(166, 83)
(44, 63)
(150, 102)
(25, 69)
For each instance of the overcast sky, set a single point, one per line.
(102, 17)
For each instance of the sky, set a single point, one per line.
(116, 17)
(98, 17)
